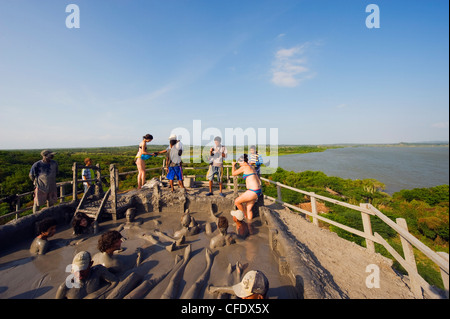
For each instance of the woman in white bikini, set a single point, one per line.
(253, 184)
(141, 156)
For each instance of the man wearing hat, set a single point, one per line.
(173, 161)
(86, 279)
(43, 175)
(254, 285)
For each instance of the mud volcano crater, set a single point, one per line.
(170, 266)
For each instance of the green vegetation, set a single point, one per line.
(426, 210)
(295, 149)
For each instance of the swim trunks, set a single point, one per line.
(175, 171)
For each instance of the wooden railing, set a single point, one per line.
(61, 189)
(441, 259)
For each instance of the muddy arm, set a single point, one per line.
(223, 290)
(172, 288)
(193, 292)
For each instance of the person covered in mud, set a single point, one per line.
(43, 175)
(86, 281)
(254, 285)
(242, 229)
(253, 184)
(110, 242)
(223, 238)
(84, 225)
(46, 228)
(189, 226)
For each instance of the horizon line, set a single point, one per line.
(442, 143)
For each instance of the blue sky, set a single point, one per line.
(311, 69)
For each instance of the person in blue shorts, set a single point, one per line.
(173, 163)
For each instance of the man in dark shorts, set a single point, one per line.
(43, 174)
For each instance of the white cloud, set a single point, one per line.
(441, 125)
(289, 67)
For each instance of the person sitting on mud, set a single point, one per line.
(46, 228)
(242, 229)
(108, 243)
(253, 184)
(223, 238)
(86, 281)
(83, 224)
(189, 226)
(254, 285)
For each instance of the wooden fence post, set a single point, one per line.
(314, 209)
(443, 273)
(367, 225)
(112, 175)
(116, 171)
(408, 253)
(98, 184)
(18, 205)
(74, 182)
(163, 169)
(235, 186)
(279, 192)
(61, 194)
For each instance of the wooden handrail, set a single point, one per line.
(329, 221)
(369, 209)
(441, 262)
(327, 199)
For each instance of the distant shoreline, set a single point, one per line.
(318, 147)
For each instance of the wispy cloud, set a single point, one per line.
(443, 125)
(289, 67)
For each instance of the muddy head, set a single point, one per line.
(130, 214)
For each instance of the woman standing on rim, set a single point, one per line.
(253, 184)
(141, 156)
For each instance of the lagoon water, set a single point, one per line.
(397, 167)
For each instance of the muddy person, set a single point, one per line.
(223, 238)
(43, 175)
(140, 158)
(216, 156)
(254, 285)
(242, 228)
(46, 228)
(86, 281)
(108, 243)
(86, 175)
(253, 184)
(83, 224)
